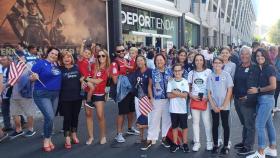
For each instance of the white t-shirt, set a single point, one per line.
(178, 105)
(206, 55)
(198, 80)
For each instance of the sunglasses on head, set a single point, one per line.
(99, 56)
(119, 51)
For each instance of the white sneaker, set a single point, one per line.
(119, 138)
(256, 155)
(220, 142)
(277, 109)
(189, 116)
(133, 131)
(209, 146)
(270, 152)
(229, 144)
(196, 146)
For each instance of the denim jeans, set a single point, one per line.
(264, 120)
(47, 102)
(247, 116)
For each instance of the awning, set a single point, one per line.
(150, 34)
(205, 24)
(191, 19)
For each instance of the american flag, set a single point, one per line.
(15, 72)
(145, 106)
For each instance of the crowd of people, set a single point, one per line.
(156, 91)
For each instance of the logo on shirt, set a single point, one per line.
(115, 70)
(55, 71)
(198, 81)
(98, 74)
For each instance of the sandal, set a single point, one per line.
(89, 141)
(75, 140)
(67, 146)
(47, 148)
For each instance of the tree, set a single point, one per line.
(274, 33)
(257, 38)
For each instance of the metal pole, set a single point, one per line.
(200, 26)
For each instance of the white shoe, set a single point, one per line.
(270, 152)
(256, 155)
(119, 138)
(220, 142)
(154, 142)
(196, 146)
(189, 116)
(103, 141)
(209, 146)
(133, 131)
(277, 109)
(229, 144)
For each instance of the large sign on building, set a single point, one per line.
(131, 18)
(136, 19)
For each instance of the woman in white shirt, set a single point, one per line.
(197, 79)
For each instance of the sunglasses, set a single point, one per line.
(119, 51)
(99, 56)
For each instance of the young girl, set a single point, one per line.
(219, 86)
(265, 90)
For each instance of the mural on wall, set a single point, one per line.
(60, 23)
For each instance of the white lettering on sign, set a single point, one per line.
(130, 18)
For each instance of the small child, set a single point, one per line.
(85, 68)
(177, 92)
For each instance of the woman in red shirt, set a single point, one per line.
(100, 75)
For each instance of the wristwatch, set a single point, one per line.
(259, 90)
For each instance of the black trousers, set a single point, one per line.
(224, 114)
(70, 111)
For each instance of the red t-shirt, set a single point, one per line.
(85, 67)
(118, 67)
(101, 74)
(132, 63)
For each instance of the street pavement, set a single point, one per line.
(32, 147)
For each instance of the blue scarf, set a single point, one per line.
(160, 82)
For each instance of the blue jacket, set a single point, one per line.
(123, 87)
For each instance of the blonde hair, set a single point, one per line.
(64, 54)
(133, 49)
(107, 63)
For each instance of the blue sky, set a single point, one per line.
(268, 11)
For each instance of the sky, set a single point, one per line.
(267, 11)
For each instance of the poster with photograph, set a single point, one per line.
(59, 23)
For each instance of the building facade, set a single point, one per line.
(167, 23)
